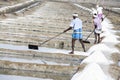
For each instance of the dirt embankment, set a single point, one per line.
(4, 3)
(17, 7)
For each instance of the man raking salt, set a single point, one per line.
(76, 25)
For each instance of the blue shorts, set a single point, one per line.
(77, 34)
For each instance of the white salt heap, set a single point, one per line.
(103, 48)
(96, 57)
(91, 72)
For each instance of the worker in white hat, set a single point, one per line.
(97, 27)
(76, 25)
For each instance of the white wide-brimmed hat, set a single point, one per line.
(75, 14)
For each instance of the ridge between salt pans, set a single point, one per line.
(41, 49)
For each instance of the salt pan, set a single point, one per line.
(11, 77)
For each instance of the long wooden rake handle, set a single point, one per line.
(89, 35)
(51, 38)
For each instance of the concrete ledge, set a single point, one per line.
(9, 9)
(60, 56)
(39, 67)
(35, 74)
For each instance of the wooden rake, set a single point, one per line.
(31, 46)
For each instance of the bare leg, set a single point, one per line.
(98, 38)
(73, 45)
(95, 39)
(82, 44)
(102, 18)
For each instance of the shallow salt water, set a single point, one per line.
(11, 77)
(37, 61)
(41, 49)
(119, 63)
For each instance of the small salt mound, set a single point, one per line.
(109, 34)
(106, 24)
(91, 72)
(102, 48)
(98, 47)
(111, 39)
(96, 57)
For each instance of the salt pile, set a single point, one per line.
(102, 47)
(109, 34)
(91, 70)
(96, 57)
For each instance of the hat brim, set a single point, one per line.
(76, 15)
